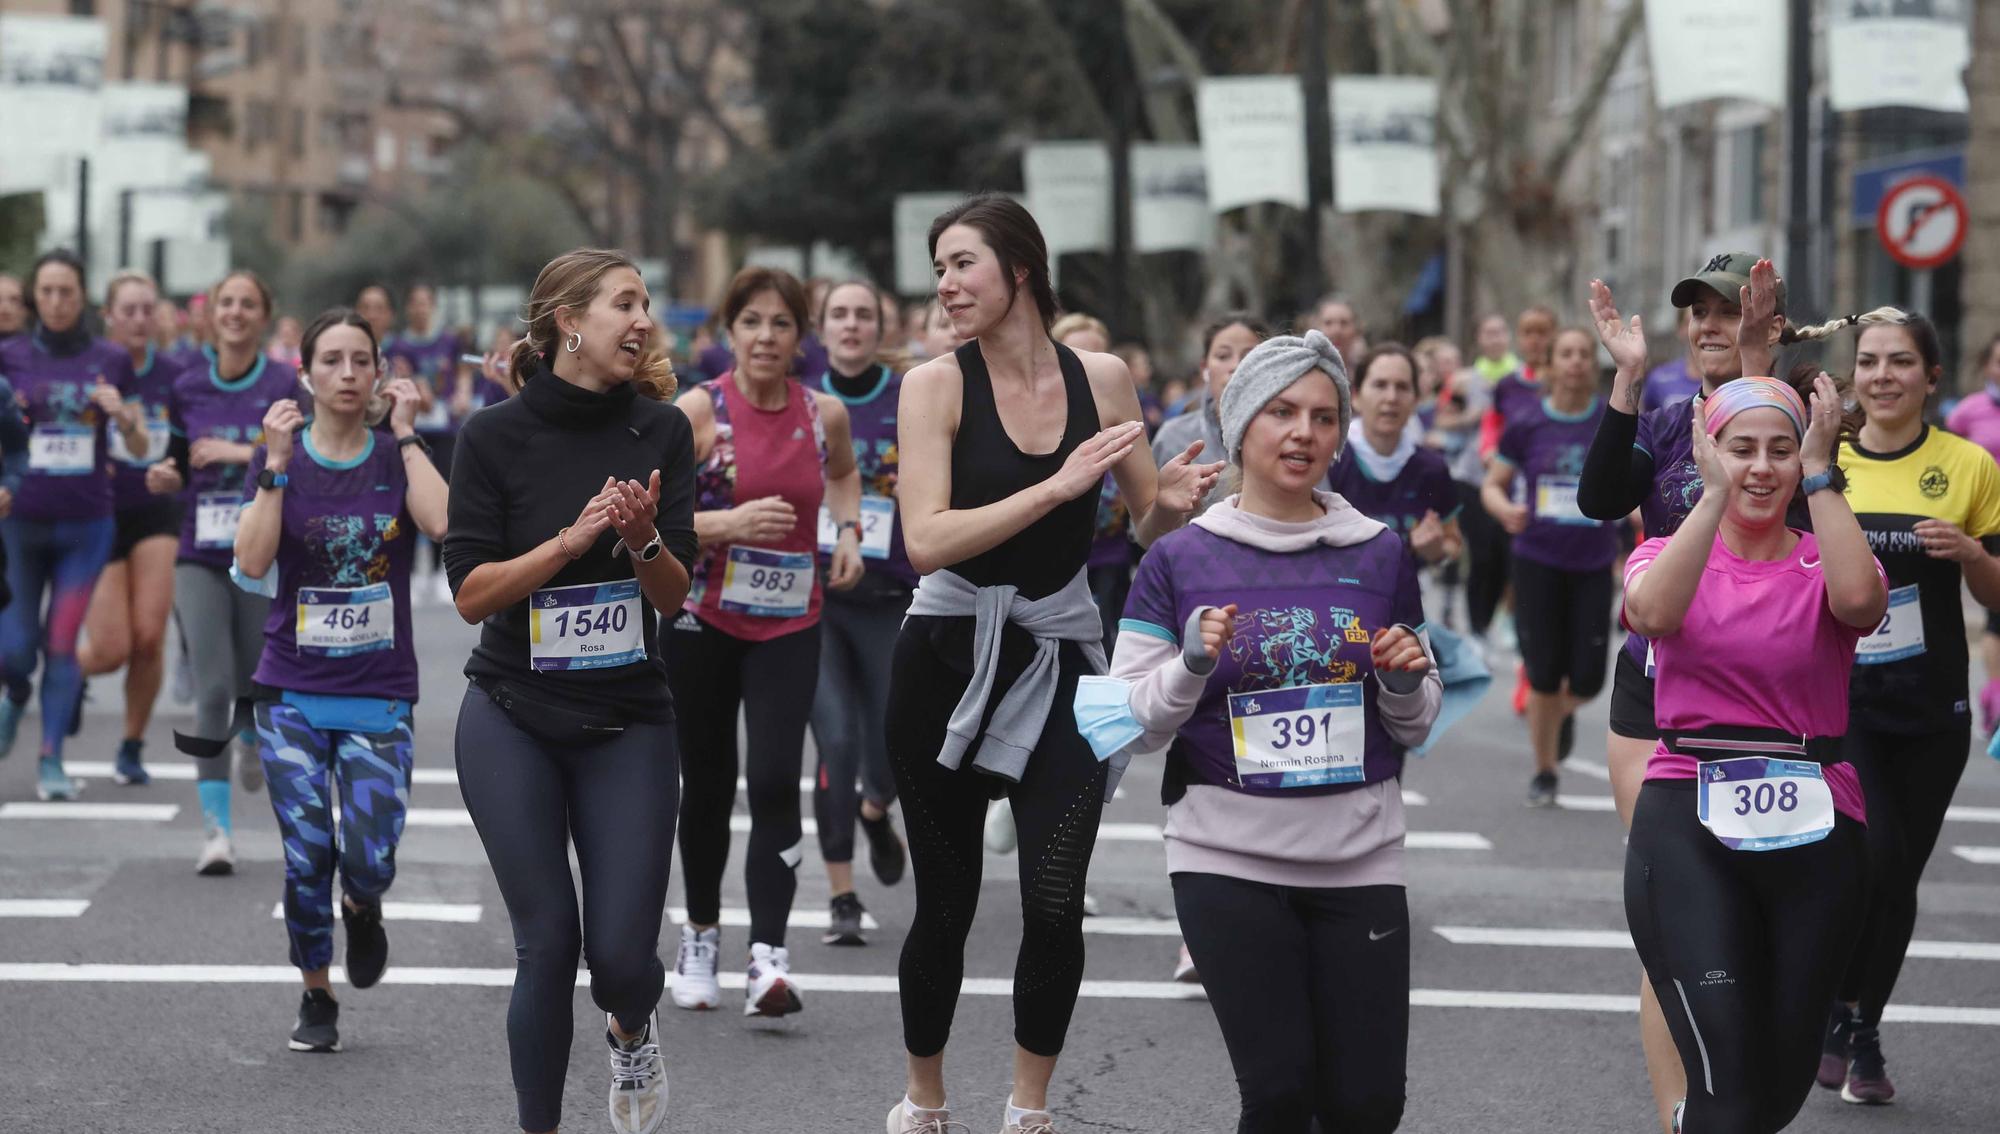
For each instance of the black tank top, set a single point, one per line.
(986, 466)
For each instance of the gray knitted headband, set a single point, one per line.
(1269, 370)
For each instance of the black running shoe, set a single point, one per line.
(1542, 790)
(844, 921)
(1833, 1053)
(886, 855)
(367, 944)
(319, 1022)
(1868, 1073)
(1566, 738)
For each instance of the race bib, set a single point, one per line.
(1555, 501)
(587, 626)
(878, 519)
(767, 584)
(1901, 634)
(337, 622)
(158, 436)
(1764, 803)
(62, 450)
(216, 515)
(1298, 737)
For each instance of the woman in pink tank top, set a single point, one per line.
(770, 453)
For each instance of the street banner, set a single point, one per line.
(1898, 53)
(51, 72)
(1385, 144)
(1069, 190)
(1717, 49)
(1253, 140)
(144, 142)
(1169, 198)
(914, 214)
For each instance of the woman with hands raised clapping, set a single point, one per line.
(1276, 648)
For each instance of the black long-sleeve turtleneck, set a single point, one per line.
(523, 470)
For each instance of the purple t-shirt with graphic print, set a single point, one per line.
(435, 360)
(152, 387)
(206, 406)
(69, 469)
(348, 542)
(1423, 485)
(871, 418)
(1546, 449)
(1304, 618)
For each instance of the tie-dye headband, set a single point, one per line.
(1742, 394)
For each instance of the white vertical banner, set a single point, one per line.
(1709, 49)
(1253, 140)
(1907, 53)
(51, 72)
(1170, 198)
(1385, 144)
(914, 214)
(1069, 190)
(144, 136)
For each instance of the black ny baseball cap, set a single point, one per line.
(1725, 274)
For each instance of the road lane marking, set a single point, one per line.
(1586, 802)
(739, 918)
(43, 907)
(1984, 856)
(463, 914)
(1620, 939)
(1964, 814)
(1591, 768)
(102, 770)
(58, 973)
(112, 812)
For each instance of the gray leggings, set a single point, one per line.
(223, 626)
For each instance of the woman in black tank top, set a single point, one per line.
(998, 499)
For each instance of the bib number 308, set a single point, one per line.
(1763, 804)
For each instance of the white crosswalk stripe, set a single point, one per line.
(96, 812)
(1620, 939)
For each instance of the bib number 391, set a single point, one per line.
(587, 626)
(1299, 737)
(338, 622)
(1761, 803)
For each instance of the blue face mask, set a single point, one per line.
(1104, 714)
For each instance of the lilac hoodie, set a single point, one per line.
(1350, 837)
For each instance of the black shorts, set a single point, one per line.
(156, 517)
(1632, 700)
(1563, 621)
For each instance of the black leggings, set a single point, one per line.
(712, 674)
(616, 801)
(849, 713)
(1056, 808)
(1745, 950)
(1563, 622)
(1908, 782)
(1332, 1046)
(1487, 552)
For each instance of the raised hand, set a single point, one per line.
(765, 520)
(1218, 625)
(404, 402)
(1623, 339)
(633, 508)
(1083, 471)
(1183, 485)
(1427, 537)
(1759, 303)
(280, 421)
(1822, 426)
(1396, 649)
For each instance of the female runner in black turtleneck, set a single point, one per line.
(572, 522)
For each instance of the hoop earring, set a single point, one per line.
(574, 341)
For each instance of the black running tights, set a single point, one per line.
(1745, 950)
(1056, 808)
(1333, 1046)
(1908, 782)
(616, 801)
(713, 674)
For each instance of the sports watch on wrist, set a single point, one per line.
(1815, 482)
(651, 551)
(268, 479)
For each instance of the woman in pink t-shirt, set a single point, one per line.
(1745, 860)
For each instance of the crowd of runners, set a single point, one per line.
(988, 558)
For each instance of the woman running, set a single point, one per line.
(127, 624)
(1383, 473)
(335, 506)
(13, 307)
(1744, 870)
(563, 499)
(1562, 558)
(1735, 316)
(218, 421)
(1111, 542)
(858, 627)
(771, 452)
(1285, 820)
(1930, 505)
(1004, 443)
(1977, 419)
(59, 531)
(431, 357)
(1224, 345)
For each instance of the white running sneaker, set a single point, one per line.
(1034, 1122)
(249, 762)
(695, 987)
(1184, 968)
(767, 988)
(902, 1121)
(1001, 836)
(638, 1081)
(218, 853)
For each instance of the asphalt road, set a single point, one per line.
(136, 996)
